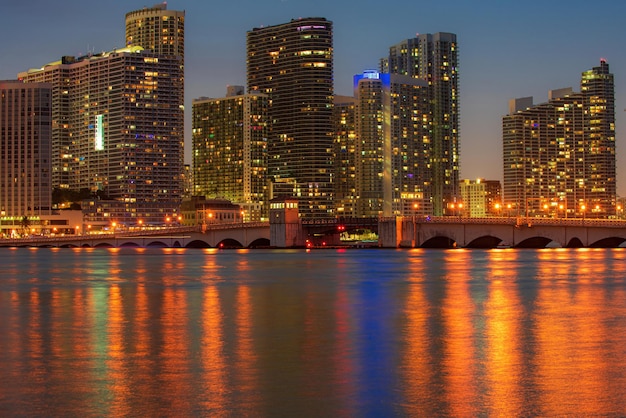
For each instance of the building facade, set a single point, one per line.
(121, 113)
(25, 150)
(559, 156)
(393, 169)
(158, 30)
(345, 156)
(480, 198)
(434, 58)
(293, 64)
(229, 151)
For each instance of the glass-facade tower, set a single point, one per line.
(293, 64)
(434, 58)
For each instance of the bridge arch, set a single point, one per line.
(229, 243)
(260, 243)
(439, 241)
(486, 241)
(609, 242)
(129, 244)
(534, 242)
(198, 243)
(157, 244)
(575, 243)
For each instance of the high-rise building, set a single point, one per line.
(393, 145)
(293, 64)
(25, 149)
(230, 150)
(158, 30)
(345, 156)
(57, 75)
(120, 117)
(559, 156)
(434, 58)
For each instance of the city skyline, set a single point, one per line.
(506, 51)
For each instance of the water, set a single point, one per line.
(325, 333)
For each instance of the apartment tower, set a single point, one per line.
(123, 111)
(230, 150)
(158, 30)
(293, 64)
(559, 156)
(345, 156)
(393, 169)
(25, 149)
(434, 58)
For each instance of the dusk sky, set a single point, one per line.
(507, 49)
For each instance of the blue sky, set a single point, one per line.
(507, 49)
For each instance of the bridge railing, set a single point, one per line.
(604, 223)
(166, 231)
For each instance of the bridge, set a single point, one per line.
(240, 235)
(397, 232)
(450, 232)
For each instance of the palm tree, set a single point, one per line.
(25, 224)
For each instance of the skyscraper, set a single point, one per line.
(393, 145)
(293, 64)
(434, 58)
(123, 111)
(345, 156)
(158, 30)
(25, 149)
(230, 151)
(559, 156)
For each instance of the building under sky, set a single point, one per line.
(559, 156)
(25, 149)
(393, 150)
(158, 30)
(293, 64)
(120, 114)
(434, 58)
(118, 118)
(230, 150)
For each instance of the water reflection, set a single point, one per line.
(161, 332)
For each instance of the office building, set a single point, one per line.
(293, 64)
(434, 58)
(393, 169)
(559, 156)
(120, 117)
(25, 150)
(230, 150)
